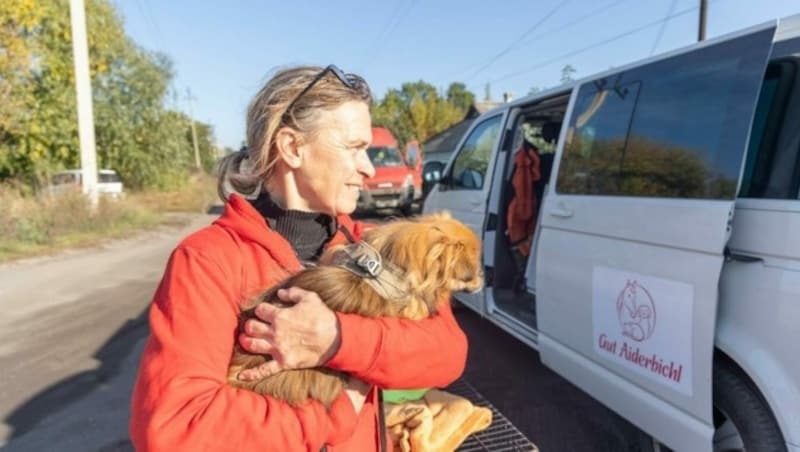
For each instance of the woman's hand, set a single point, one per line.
(302, 336)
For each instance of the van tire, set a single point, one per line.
(737, 399)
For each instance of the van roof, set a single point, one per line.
(381, 136)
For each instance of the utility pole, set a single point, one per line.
(83, 89)
(701, 29)
(189, 99)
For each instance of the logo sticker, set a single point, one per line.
(644, 324)
(636, 311)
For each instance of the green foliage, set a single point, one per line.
(418, 111)
(33, 225)
(148, 145)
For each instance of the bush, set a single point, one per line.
(33, 225)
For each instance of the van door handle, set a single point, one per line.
(741, 257)
(477, 202)
(561, 212)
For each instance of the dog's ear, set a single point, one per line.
(448, 264)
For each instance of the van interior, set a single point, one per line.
(530, 151)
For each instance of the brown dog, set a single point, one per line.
(406, 269)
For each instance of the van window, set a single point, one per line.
(673, 128)
(771, 169)
(472, 162)
(108, 178)
(596, 140)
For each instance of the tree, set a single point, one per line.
(459, 96)
(17, 18)
(135, 133)
(417, 111)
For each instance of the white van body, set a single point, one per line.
(664, 274)
(108, 182)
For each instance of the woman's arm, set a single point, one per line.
(388, 352)
(402, 354)
(181, 399)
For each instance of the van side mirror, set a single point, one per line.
(432, 174)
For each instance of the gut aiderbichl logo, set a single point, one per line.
(636, 312)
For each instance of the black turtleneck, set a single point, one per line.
(307, 232)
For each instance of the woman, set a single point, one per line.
(286, 198)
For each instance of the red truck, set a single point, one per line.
(394, 185)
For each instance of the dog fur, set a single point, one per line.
(438, 254)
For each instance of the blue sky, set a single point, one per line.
(224, 51)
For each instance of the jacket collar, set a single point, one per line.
(246, 222)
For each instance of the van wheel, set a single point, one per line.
(742, 419)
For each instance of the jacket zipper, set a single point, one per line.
(381, 421)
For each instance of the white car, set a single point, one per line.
(663, 277)
(108, 182)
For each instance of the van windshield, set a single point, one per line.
(384, 156)
(108, 177)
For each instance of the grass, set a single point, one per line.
(32, 226)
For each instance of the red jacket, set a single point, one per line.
(523, 208)
(181, 401)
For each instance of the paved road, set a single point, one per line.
(67, 329)
(550, 411)
(72, 328)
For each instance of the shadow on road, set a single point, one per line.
(67, 391)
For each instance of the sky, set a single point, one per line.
(223, 52)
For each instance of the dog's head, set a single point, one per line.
(439, 254)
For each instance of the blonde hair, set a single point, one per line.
(245, 171)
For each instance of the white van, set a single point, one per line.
(108, 182)
(664, 273)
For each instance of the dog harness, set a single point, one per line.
(366, 262)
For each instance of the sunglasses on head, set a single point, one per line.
(349, 80)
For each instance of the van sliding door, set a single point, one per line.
(634, 229)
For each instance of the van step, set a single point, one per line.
(500, 436)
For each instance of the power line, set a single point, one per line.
(400, 18)
(392, 17)
(571, 23)
(153, 19)
(148, 18)
(515, 42)
(672, 5)
(556, 29)
(598, 44)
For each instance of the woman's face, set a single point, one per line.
(335, 162)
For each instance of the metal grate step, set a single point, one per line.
(501, 436)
